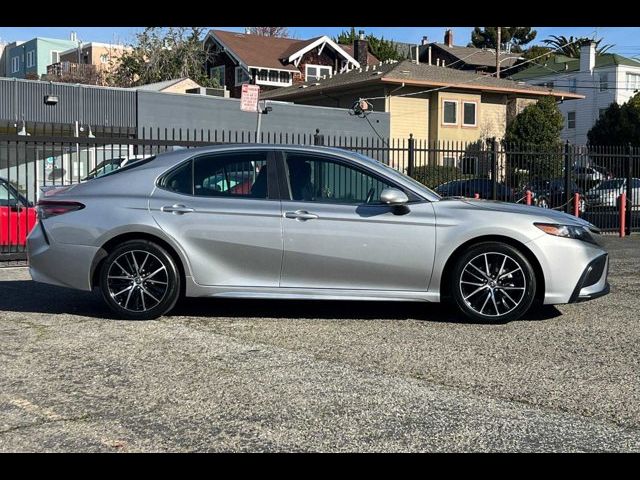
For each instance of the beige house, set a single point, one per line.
(433, 103)
(88, 63)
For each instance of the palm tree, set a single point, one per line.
(570, 47)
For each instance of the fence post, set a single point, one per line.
(494, 168)
(528, 197)
(622, 207)
(630, 199)
(567, 177)
(411, 155)
(318, 139)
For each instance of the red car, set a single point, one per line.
(17, 216)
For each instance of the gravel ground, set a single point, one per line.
(319, 376)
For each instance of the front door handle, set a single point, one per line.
(177, 209)
(300, 215)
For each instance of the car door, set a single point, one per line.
(335, 239)
(223, 209)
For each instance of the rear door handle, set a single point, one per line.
(300, 215)
(177, 209)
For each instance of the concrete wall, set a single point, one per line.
(162, 110)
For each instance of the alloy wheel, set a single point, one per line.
(137, 280)
(493, 284)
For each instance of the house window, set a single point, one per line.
(633, 81)
(469, 165)
(241, 76)
(218, 74)
(104, 58)
(450, 112)
(15, 64)
(285, 77)
(604, 82)
(449, 162)
(31, 59)
(55, 56)
(573, 85)
(469, 114)
(316, 72)
(571, 120)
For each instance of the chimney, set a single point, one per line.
(425, 40)
(73, 37)
(247, 30)
(448, 38)
(360, 49)
(587, 56)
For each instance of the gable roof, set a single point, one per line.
(270, 52)
(412, 74)
(564, 64)
(479, 57)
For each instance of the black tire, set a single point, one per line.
(510, 289)
(139, 280)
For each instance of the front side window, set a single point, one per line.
(604, 82)
(469, 114)
(217, 73)
(323, 180)
(7, 198)
(450, 112)
(571, 120)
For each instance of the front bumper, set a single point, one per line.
(593, 281)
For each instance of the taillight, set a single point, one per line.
(51, 208)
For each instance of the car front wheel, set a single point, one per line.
(139, 280)
(493, 282)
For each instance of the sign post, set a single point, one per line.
(249, 102)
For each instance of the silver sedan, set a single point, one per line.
(265, 221)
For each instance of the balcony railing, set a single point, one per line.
(69, 68)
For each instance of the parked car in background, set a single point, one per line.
(17, 216)
(551, 193)
(314, 223)
(469, 188)
(591, 174)
(607, 192)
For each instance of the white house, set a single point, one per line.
(602, 79)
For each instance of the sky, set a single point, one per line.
(625, 39)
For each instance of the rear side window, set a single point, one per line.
(180, 180)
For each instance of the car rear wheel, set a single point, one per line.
(493, 282)
(139, 280)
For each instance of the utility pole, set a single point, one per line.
(498, 53)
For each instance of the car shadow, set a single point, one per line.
(27, 296)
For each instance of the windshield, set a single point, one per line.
(398, 175)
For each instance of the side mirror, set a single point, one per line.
(393, 196)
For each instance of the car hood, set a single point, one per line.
(540, 214)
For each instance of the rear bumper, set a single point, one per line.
(593, 281)
(59, 264)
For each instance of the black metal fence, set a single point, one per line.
(587, 181)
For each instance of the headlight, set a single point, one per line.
(568, 231)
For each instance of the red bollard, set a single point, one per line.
(623, 208)
(476, 195)
(528, 196)
(576, 204)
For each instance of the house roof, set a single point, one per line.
(159, 86)
(268, 52)
(564, 64)
(412, 74)
(478, 56)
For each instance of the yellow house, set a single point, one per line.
(433, 103)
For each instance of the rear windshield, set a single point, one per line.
(112, 171)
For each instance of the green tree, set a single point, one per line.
(537, 127)
(539, 53)
(618, 125)
(570, 47)
(516, 37)
(160, 54)
(380, 47)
